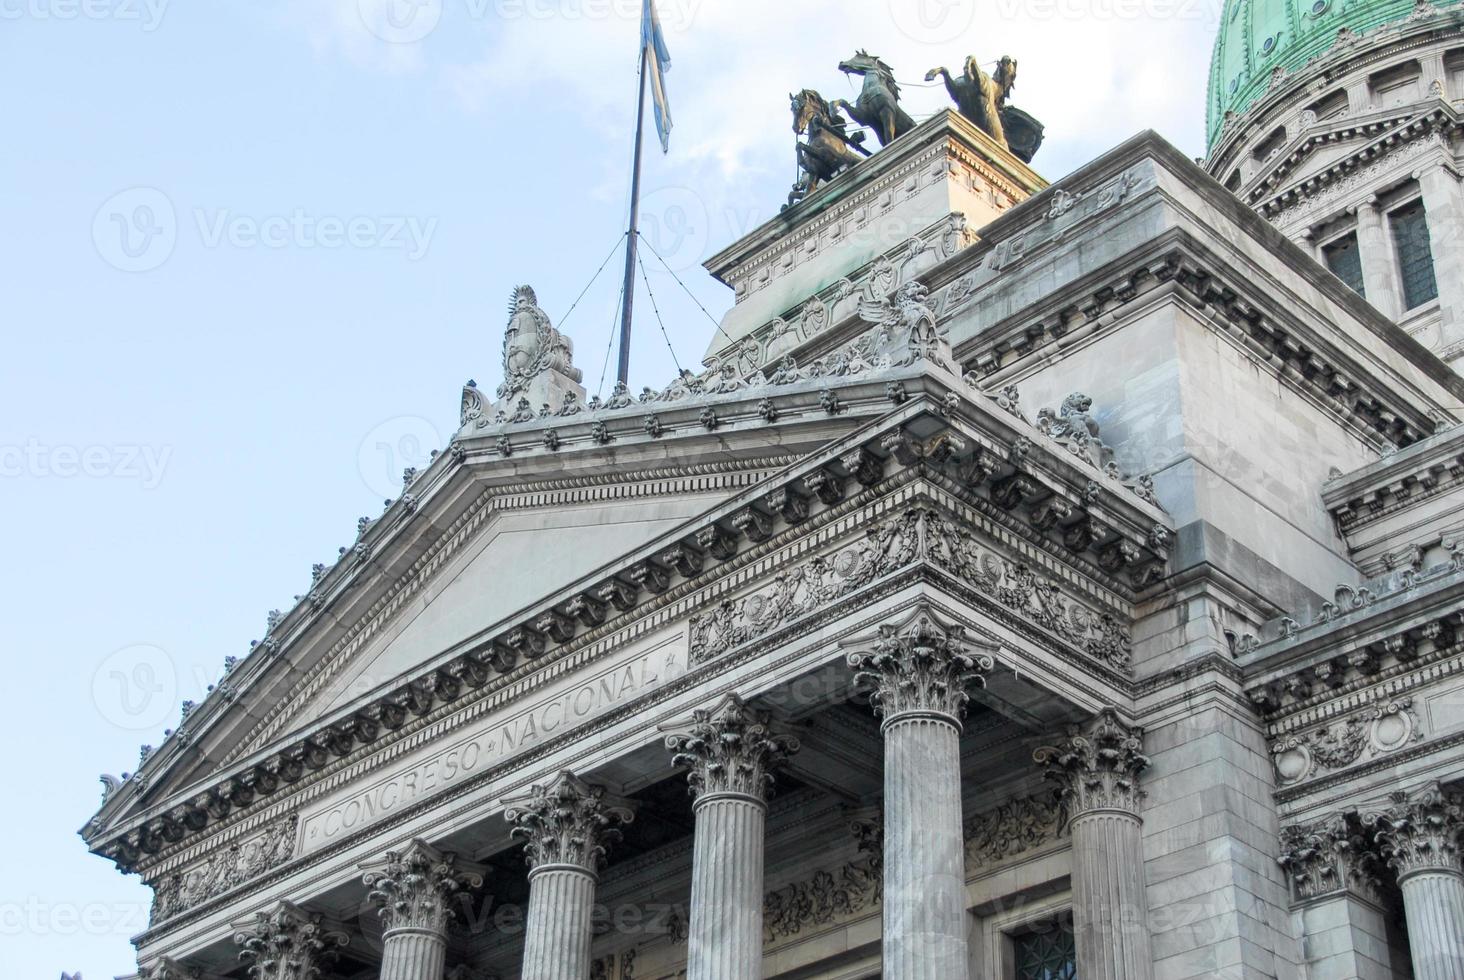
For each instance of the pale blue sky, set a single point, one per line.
(322, 232)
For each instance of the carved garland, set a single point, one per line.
(224, 870)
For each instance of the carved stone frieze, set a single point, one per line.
(827, 896)
(418, 887)
(1097, 766)
(224, 870)
(1014, 828)
(1420, 831)
(1384, 727)
(729, 749)
(921, 666)
(1329, 856)
(568, 822)
(287, 943)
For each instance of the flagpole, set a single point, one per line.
(633, 236)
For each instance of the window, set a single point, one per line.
(1046, 951)
(1345, 261)
(1415, 256)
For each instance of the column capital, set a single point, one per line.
(1420, 830)
(286, 942)
(415, 888)
(1097, 766)
(921, 666)
(729, 750)
(568, 822)
(1329, 857)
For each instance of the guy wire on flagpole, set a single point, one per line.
(633, 236)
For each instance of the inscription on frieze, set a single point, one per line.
(494, 741)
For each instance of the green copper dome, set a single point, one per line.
(1259, 36)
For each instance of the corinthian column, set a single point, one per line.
(566, 827)
(414, 891)
(287, 943)
(920, 673)
(1419, 838)
(730, 751)
(1097, 767)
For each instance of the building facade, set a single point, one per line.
(1040, 582)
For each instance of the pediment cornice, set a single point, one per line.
(1384, 143)
(1102, 529)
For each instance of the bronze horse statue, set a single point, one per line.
(879, 102)
(829, 149)
(982, 98)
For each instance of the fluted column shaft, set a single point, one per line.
(924, 852)
(921, 674)
(567, 827)
(1097, 767)
(730, 752)
(726, 934)
(1109, 908)
(558, 930)
(1419, 838)
(413, 954)
(1433, 903)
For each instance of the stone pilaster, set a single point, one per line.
(1419, 838)
(1097, 767)
(287, 943)
(920, 674)
(414, 891)
(1444, 211)
(567, 828)
(730, 752)
(1379, 270)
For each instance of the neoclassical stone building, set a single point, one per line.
(1040, 582)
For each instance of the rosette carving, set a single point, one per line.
(1420, 831)
(569, 822)
(923, 666)
(1097, 766)
(729, 749)
(287, 943)
(417, 888)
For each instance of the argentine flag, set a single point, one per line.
(658, 60)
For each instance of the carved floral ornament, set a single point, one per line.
(287, 943)
(568, 822)
(729, 750)
(1330, 856)
(1385, 727)
(1420, 831)
(1097, 766)
(922, 666)
(226, 869)
(417, 888)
